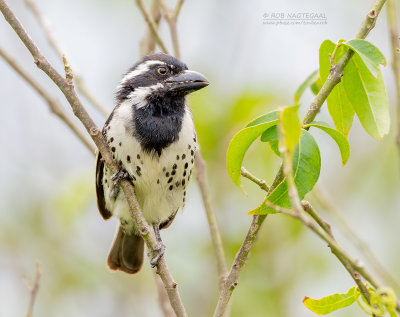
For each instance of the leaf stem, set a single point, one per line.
(260, 182)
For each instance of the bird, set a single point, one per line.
(152, 137)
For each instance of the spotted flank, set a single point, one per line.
(160, 180)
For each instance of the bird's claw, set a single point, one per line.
(159, 252)
(116, 178)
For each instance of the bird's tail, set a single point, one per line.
(126, 253)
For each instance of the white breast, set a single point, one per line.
(160, 181)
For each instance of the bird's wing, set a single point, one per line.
(101, 204)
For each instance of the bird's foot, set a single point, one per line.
(158, 252)
(120, 175)
(116, 178)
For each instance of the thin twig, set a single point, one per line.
(152, 26)
(172, 17)
(201, 176)
(178, 7)
(55, 44)
(260, 182)
(69, 92)
(163, 300)
(299, 213)
(240, 260)
(325, 203)
(332, 80)
(147, 43)
(321, 222)
(394, 40)
(33, 290)
(53, 104)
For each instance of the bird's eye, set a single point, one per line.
(162, 70)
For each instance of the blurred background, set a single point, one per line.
(48, 210)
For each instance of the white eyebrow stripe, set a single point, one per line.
(140, 69)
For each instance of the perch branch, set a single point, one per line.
(332, 80)
(55, 44)
(69, 92)
(163, 300)
(53, 104)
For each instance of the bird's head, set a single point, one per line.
(158, 78)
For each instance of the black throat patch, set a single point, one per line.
(157, 125)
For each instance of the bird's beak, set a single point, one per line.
(186, 82)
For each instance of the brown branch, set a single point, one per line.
(306, 206)
(201, 176)
(178, 7)
(147, 43)
(172, 17)
(55, 44)
(69, 92)
(242, 257)
(299, 213)
(332, 80)
(163, 300)
(33, 290)
(325, 203)
(394, 40)
(53, 104)
(152, 25)
(240, 260)
(321, 222)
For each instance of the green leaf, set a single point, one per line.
(272, 137)
(270, 116)
(310, 80)
(332, 302)
(367, 95)
(291, 127)
(370, 54)
(339, 138)
(306, 168)
(339, 106)
(242, 141)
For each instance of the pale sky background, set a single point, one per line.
(227, 42)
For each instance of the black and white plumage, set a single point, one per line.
(152, 137)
